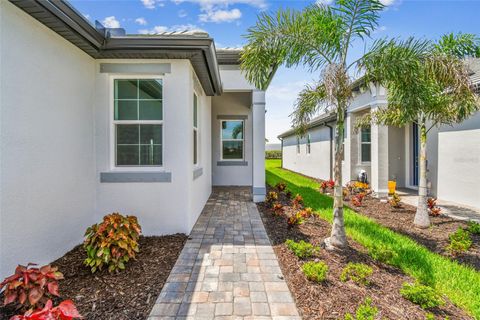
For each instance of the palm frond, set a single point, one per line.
(460, 45)
(310, 100)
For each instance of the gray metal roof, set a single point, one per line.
(229, 56)
(65, 20)
(321, 120)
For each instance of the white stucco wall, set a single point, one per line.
(47, 146)
(162, 207)
(232, 104)
(317, 163)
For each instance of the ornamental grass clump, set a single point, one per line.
(473, 227)
(357, 272)
(30, 286)
(460, 241)
(112, 243)
(366, 311)
(315, 271)
(301, 249)
(425, 296)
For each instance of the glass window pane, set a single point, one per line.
(126, 89)
(127, 155)
(366, 135)
(127, 134)
(151, 134)
(195, 111)
(151, 155)
(150, 89)
(126, 110)
(366, 155)
(150, 109)
(195, 146)
(232, 129)
(232, 149)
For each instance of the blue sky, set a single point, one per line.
(227, 20)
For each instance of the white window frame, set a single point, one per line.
(360, 144)
(243, 140)
(196, 129)
(113, 123)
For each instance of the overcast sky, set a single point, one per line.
(228, 20)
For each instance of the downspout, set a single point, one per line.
(281, 153)
(331, 149)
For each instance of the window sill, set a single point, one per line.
(148, 177)
(239, 163)
(197, 172)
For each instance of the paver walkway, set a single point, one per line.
(227, 269)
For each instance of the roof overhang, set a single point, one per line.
(319, 121)
(65, 20)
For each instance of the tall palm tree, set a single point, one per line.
(319, 37)
(428, 84)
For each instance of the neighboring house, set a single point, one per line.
(391, 153)
(94, 121)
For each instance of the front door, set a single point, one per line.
(415, 150)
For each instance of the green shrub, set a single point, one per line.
(460, 241)
(315, 271)
(474, 227)
(366, 311)
(301, 249)
(426, 297)
(429, 316)
(357, 272)
(273, 154)
(382, 253)
(112, 243)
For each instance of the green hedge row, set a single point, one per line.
(273, 154)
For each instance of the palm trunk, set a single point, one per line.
(422, 218)
(338, 238)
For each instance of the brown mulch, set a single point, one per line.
(334, 298)
(126, 295)
(400, 220)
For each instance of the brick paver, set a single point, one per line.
(227, 269)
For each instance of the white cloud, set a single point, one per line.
(151, 4)
(205, 4)
(87, 16)
(141, 21)
(387, 2)
(219, 16)
(111, 22)
(182, 13)
(174, 28)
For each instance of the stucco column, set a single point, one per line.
(258, 119)
(347, 162)
(379, 162)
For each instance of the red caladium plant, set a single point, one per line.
(30, 286)
(66, 310)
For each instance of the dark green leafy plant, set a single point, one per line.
(460, 241)
(474, 227)
(315, 271)
(302, 249)
(112, 243)
(366, 311)
(357, 272)
(273, 154)
(425, 296)
(382, 253)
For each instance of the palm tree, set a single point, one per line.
(427, 84)
(320, 38)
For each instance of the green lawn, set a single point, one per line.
(461, 284)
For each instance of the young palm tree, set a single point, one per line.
(320, 38)
(427, 84)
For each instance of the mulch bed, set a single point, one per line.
(400, 220)
(334, 298)
(126, 295)
(434, 238)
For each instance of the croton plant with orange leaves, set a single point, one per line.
(31, 286)
(112, 243)
(66, 310)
